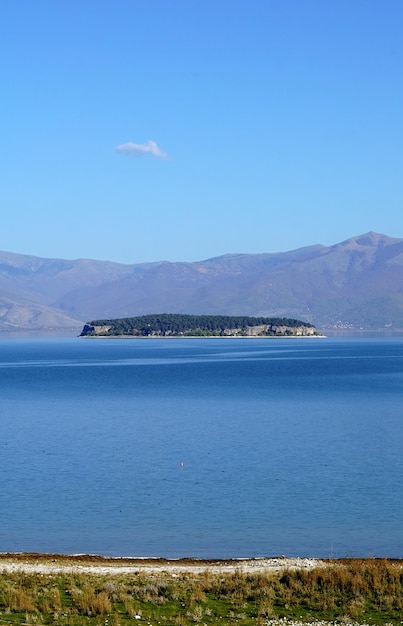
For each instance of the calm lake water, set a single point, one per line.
(202, 447)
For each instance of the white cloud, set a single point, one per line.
(140, 149)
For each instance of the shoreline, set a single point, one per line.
(319, 336)
(95, 564)
(99, 565)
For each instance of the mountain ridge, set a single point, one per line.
(354, 284)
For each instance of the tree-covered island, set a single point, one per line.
(179, 325)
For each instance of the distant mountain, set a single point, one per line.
(354, 284)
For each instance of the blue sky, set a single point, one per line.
(143, 130)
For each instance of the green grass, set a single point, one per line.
(366, 591)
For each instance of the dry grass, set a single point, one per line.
(363, 591)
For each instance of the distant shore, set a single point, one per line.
(318, 336)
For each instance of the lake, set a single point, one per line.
(210, 448)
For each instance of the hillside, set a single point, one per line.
(355, 284)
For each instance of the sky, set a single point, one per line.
(146, 130)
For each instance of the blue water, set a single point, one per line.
(202, 447)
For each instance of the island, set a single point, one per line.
(181, 325)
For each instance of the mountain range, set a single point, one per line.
(355, 284)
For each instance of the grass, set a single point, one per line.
(365, 591)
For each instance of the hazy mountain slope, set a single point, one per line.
(23, 314)
(356, 283)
